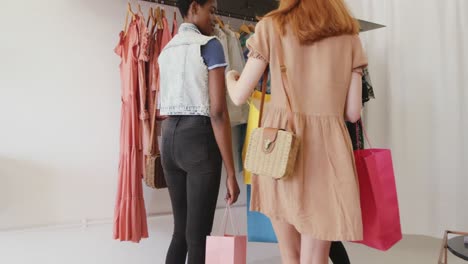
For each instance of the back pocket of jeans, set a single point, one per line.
(194, 148)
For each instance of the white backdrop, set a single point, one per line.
(419, 66)
(60, 107)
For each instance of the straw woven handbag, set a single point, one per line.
(154, 175)
(272, 152)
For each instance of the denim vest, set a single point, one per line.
(184, 75)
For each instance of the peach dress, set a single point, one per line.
(321, 197)
(130, 222)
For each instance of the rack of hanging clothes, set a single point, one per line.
(141, 41)
(140, 44)
(230, 39)
(235, 52)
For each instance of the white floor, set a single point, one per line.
(94, 245)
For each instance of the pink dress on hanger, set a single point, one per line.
(143, 58)
(130, 222)
(152, 77)
(163, 38)
(166, 34)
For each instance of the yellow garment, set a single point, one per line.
(254, 114)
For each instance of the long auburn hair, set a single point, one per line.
(313, 20)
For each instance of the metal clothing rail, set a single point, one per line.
(219, 12)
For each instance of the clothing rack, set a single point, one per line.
(219, 12)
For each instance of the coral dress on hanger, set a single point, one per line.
(130, 222)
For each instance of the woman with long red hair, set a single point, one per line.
(323, 59)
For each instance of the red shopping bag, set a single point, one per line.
(226, 249)
(379, 201)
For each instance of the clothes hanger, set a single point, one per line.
(158, 18)
(140, 13)
(156, 14)
(161, 18)
(155, 22)
(163, 12)
(244, 28)
(229, 22)
(219, 21)
(129, 8)
(129, 11)
(139, 9)
(252, 28)
(150, 17)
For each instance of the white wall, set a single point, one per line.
(419, 66)
(60, 112)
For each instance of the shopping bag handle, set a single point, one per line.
(223, 224)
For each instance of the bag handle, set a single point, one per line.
(262, 101)
(154, 144)
(223, 224)
(285, 82)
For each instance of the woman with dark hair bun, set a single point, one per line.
(196, 136)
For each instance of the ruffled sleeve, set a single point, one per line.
(119, 49)
(144, 45)
(259, 43)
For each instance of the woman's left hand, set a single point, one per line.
(233, 191)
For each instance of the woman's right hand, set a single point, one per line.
(233, 190)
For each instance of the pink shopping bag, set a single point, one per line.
(226, 249)
(379, 201)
